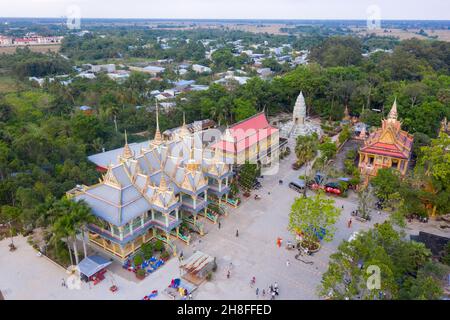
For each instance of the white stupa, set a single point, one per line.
(299, 114)
(300, 125)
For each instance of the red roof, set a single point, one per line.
(386, 149)
(247, 133)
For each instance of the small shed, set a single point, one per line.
(197, 267)
(92, 265)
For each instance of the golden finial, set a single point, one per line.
(127, 153)
(163, 183)
(393, 114)
(158, 136)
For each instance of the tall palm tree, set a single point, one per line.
(72, 217)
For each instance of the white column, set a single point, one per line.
(167, 219)
(176, 213)
(121, 233)
(142, 220)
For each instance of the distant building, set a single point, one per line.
(152, 70)
(120, 75)
(264, 72)
(86, 110)
(201, 69)
(6, 41)
(108, 68)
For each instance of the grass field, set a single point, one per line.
(37, 48)
(7, 84)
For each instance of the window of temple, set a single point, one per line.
(371, 160)
(395, 163)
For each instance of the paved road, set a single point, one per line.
(254, 252)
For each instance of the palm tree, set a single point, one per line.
(72, 217)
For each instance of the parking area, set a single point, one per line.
(23, 275)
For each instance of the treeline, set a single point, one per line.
(25, 63)
(416, 73)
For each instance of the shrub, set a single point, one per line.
(165, 255)
(147, 250)
(140, 273)
(159, 246)
(138, 260)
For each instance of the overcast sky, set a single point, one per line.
(231, 9)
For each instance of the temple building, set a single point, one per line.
(387, 147)
(300, 125)
(253, 140)
(147, 194)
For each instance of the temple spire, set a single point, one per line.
(162, 183)
(393, 114)
(184, 131)
(158, 137)
(127, 153)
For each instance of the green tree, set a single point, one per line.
(306, 148)
(403, 265)
(247, 175)
(243, 109)
(311, 215)
(386, 183)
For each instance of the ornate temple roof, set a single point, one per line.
(390, 140)
(151, 178)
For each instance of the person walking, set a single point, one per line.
(263, 292)
(237, 233)
(349, 223)
(228, 274)
(219, 225)
(257, 292)
(63, 283)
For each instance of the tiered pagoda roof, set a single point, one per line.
(390, 140)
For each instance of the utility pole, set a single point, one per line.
(115, 123)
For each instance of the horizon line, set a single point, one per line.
(228, 19)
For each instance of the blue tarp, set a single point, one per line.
(93, 264)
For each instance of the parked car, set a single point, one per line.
(298, 185)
